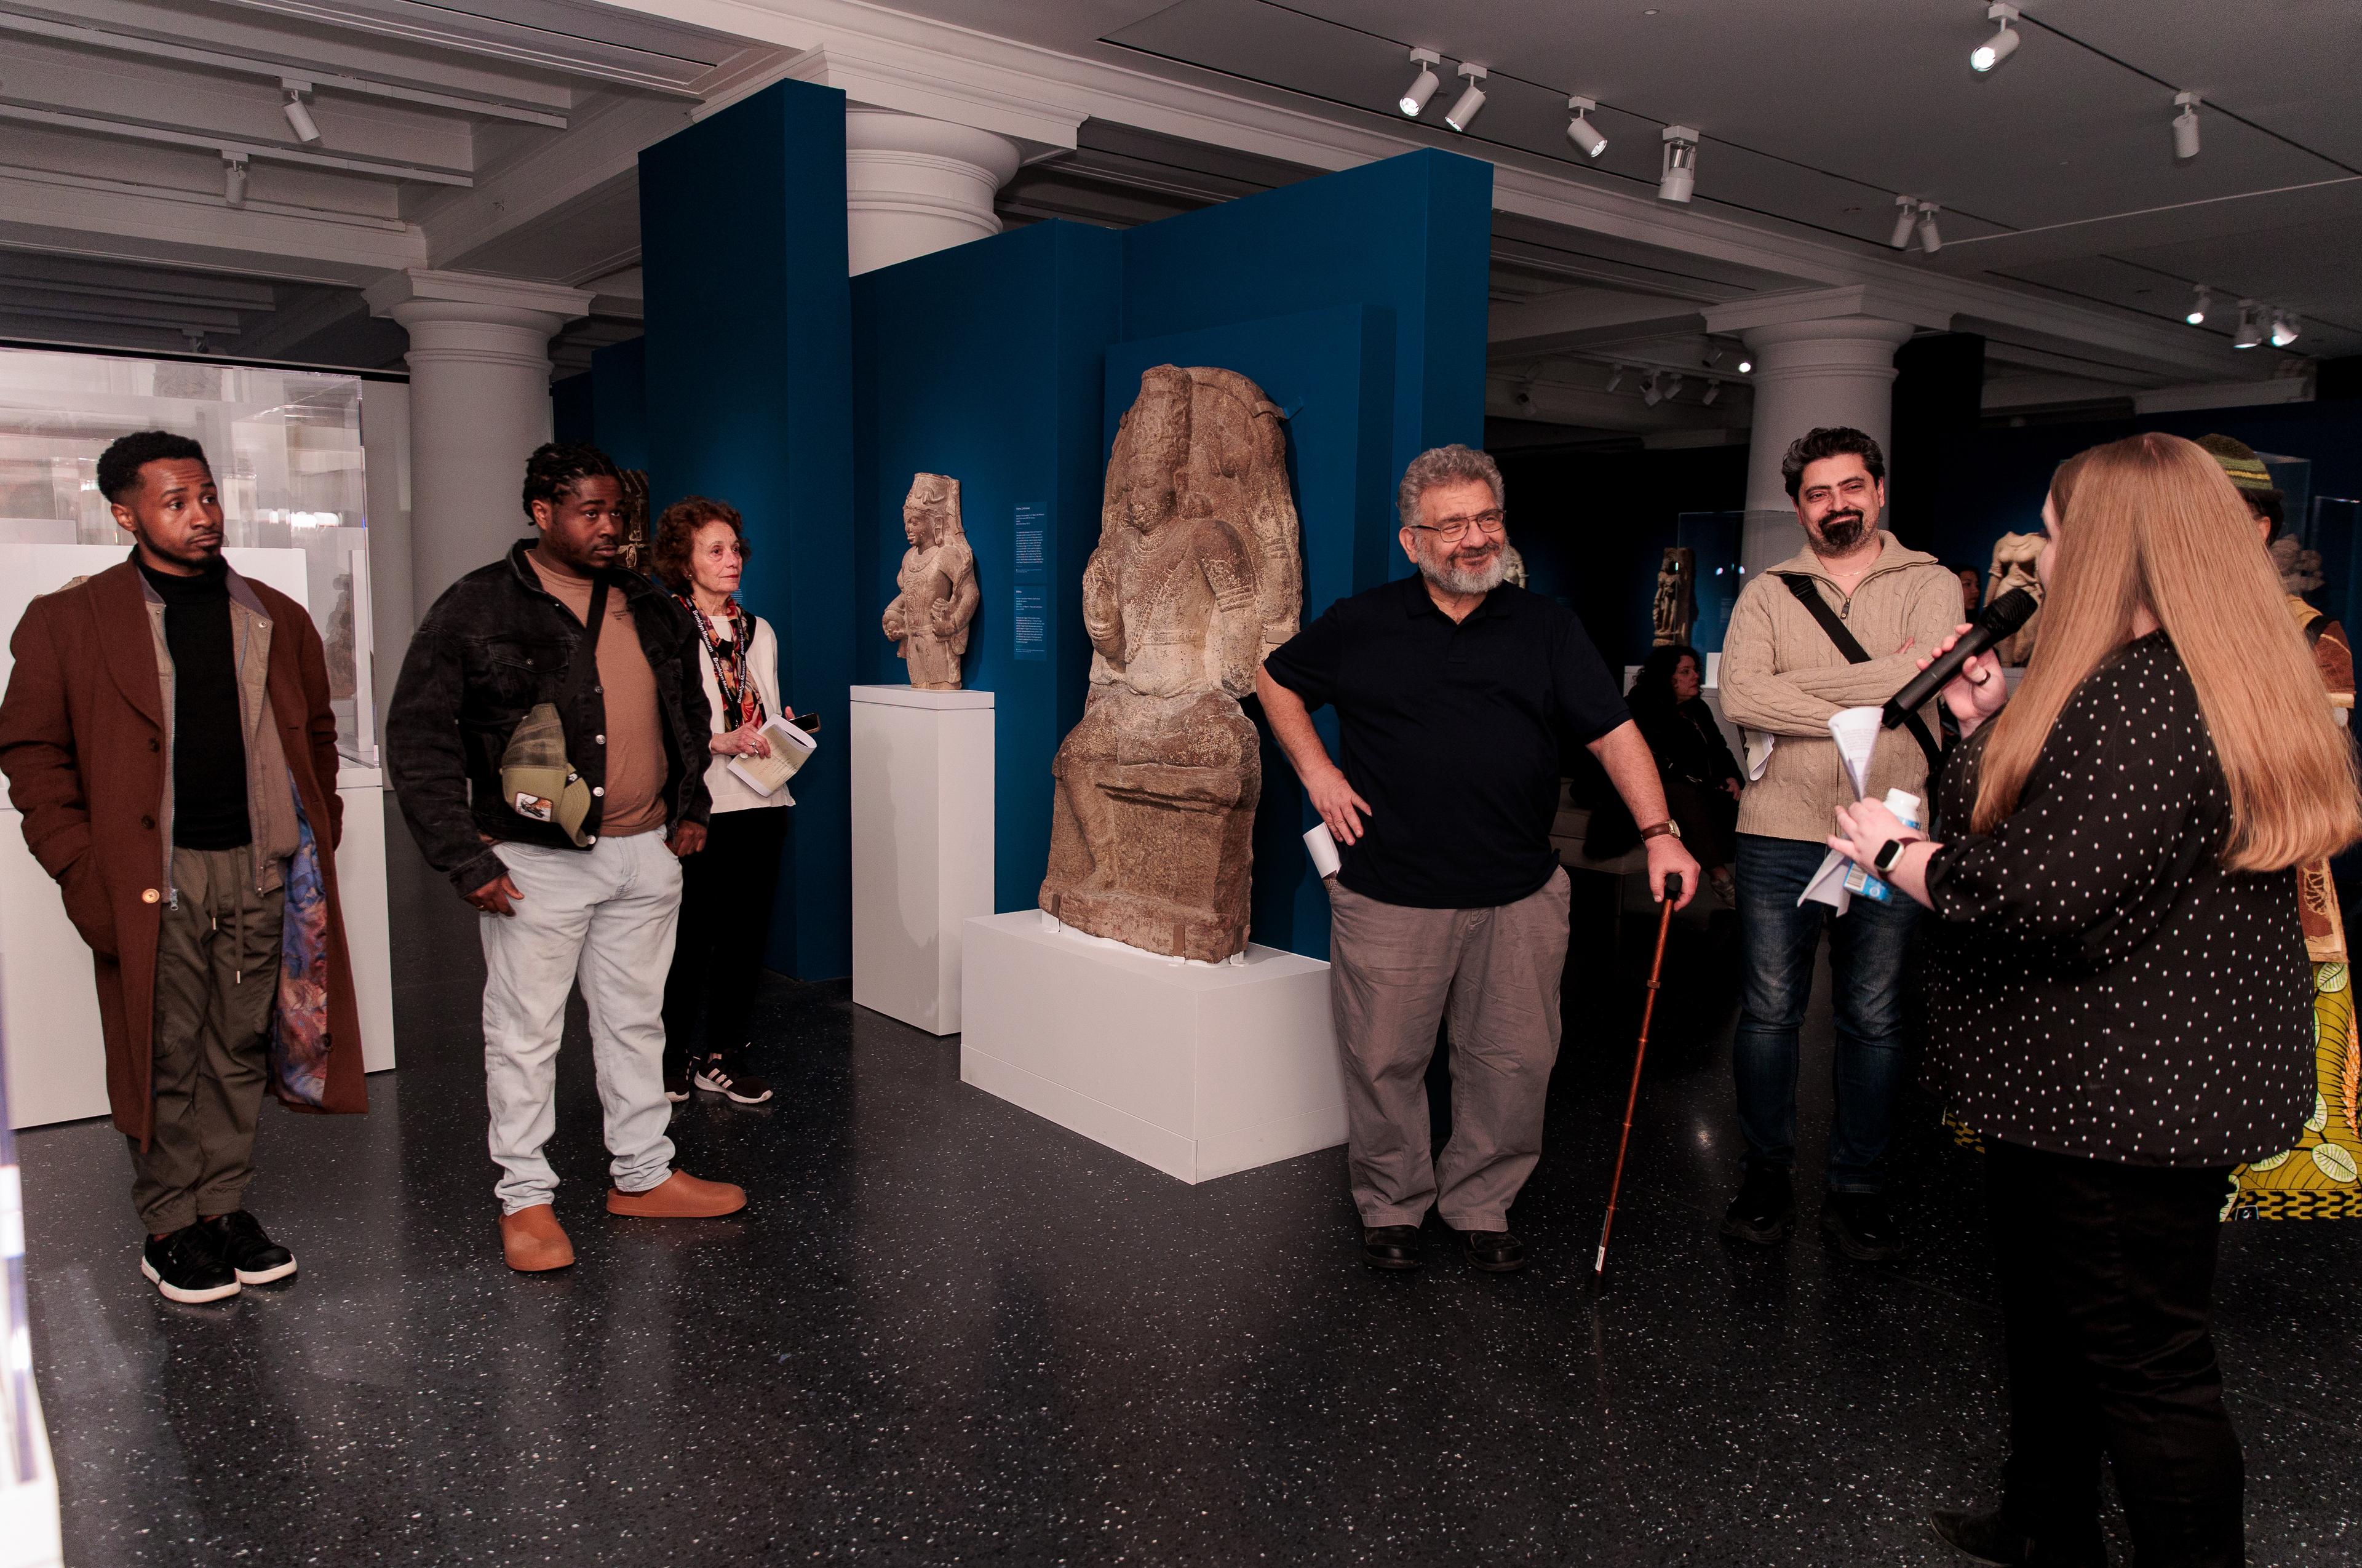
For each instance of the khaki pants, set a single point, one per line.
(216, 984)
(1396, 973)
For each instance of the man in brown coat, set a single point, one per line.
(167, 736)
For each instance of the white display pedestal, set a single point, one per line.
(1198, 1070)
(922, 846)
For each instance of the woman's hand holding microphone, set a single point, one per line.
(1976, 693)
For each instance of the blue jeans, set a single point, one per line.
(1777, 942)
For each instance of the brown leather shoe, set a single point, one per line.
(680, 1196)
(532, 1241)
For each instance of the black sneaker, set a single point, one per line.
(676, 1081)
(1765, 1209)
(1861, 1225)
(188, 1266)
(717, 1075)
(252, 1256)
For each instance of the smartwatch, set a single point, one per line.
(1889, 855)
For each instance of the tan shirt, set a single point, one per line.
(1781, 675)
(636, 754)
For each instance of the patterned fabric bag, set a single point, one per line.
(299, 1030)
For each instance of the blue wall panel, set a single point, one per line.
(748, 367)
(619, 404)
(984, 362)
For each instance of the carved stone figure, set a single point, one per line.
(632, 550)
(1512, 566)
(2013, 566)
(1675, 611)
(929, 617)
(1197, 576)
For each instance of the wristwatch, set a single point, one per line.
(1889, 855)
(1661, 829)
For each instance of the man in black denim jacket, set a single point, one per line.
(602, 902)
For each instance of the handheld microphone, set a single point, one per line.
(2002, 617)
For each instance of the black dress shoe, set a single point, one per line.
(1989, 1538)
(1861, 1225)
(1765, 1209)
(1392, 1246)
(1495, 1252)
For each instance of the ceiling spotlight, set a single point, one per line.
(1648, 392)
(2003, 44)
(1680, 177)
(1463, 112)
(1617, 379)
(298, 114)
(1746, 366)
(1673, 386)
(2185, 126)
(1422, 87)
(234, 179)
(1582, 132)
(1901, 237)
(1930, 240)
(2249, 334)
(2283, 329)
(1713, 390)
(2198, 306)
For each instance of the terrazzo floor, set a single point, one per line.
(947, 1331)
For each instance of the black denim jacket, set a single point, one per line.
(495, 644)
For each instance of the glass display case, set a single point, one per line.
(285, 447)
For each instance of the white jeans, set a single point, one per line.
(606, 916)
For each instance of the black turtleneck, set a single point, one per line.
(209, 742)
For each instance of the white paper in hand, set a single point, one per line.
(790, 749)
(1856, 732)
(1321, 845)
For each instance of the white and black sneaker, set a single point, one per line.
(188, 1264)
(253, 1256)
(716, 1075)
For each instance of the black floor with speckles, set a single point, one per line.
(948, 1332)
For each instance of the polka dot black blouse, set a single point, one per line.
(2099, 985)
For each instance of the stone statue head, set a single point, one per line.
(1150, 465)
(930, 512)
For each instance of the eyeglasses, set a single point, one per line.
(1452, 530)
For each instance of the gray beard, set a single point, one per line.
(1452, 579)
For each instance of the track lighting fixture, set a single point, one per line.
(1904, 219)
(2283, 329)
(1680, 176)
(2185, 126)
(2198, 306)
(234, 179)
(1930, 240)
(2003, 44)
(1615, 378)
(1422, 87)
(2249, 334)
(1463, 113)
(1648, 392)
(298, 114)
(1581, 131)
(1524, 398)
(1713, 390)
(1673, 385)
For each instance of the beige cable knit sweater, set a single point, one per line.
(1779, 674)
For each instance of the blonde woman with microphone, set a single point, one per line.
(2120, 1001)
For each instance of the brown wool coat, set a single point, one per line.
(82, 741)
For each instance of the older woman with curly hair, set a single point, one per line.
(726, 890)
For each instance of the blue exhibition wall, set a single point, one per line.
(606, 405)
(1356, 301)
(749, 360)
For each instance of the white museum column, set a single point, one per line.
(479, 405)
(1823, 357)
(914, 185)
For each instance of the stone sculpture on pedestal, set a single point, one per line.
(1675, 609)
(929, 617)
(2013, 566)
(1197, 576)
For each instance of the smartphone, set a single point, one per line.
(807, 723)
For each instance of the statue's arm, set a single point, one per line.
(1238, 628)
(1102, 616)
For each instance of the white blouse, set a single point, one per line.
(730, 793)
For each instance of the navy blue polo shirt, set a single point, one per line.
(1451, 734)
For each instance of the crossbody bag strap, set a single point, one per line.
(1801, 585)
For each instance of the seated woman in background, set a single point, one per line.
(2120, 1001)
(1702, 778)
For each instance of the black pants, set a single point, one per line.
(2107, 1284)
(725, 921)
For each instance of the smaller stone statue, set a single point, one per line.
(1512, 566)
(631, 552)
(930, 615)
(1675, 611)
(2013, 566)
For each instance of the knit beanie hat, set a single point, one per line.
(2239, 461)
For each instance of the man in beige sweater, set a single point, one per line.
(1783, 676)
